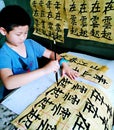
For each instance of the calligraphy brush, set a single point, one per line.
(56, 74)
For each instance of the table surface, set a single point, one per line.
(12, 106)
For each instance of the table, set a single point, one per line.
(15, 103)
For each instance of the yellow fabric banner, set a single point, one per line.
(49, 19)
(90, 20)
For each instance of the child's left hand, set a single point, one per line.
(66, 70)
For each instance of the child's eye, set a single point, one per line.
(26, 33)
(18, 34)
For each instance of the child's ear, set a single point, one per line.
(3, 31)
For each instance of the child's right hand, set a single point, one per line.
(52, 66)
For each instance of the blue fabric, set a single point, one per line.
(62, 60)
(10, 59)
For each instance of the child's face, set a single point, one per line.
(17, 35)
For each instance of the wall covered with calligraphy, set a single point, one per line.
(77, 25)
(89, 25)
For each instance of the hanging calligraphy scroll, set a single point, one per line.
(89, 70)
(49, 18)
(91, 20)
(71, 105)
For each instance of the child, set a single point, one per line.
(18, 55)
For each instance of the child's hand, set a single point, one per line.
(52, 66)
(66, 70)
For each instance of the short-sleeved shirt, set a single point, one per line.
(18, 64)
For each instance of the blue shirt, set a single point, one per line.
(18, 64)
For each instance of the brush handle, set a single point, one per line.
(56, 74)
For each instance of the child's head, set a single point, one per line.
(13, 16)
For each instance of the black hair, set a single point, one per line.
(12, 16)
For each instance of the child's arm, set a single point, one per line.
(15, 81)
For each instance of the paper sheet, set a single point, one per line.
(71, 105)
